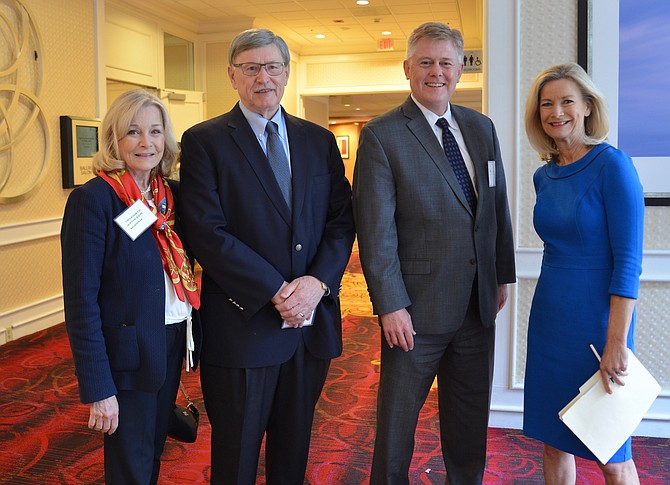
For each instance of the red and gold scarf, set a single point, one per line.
(175, 260)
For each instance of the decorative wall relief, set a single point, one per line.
(25, 141)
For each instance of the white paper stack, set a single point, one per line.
(605, 421)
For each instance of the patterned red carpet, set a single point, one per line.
(44, 440)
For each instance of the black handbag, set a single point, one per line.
(183, 424)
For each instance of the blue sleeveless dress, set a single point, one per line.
(590, 216)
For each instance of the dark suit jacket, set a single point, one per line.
(114, 295)
(248, 242)
(420, 244)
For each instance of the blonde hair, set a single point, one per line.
(596, 125)
(116, 123)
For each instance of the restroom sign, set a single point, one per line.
(473, 61)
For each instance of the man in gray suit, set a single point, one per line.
(436, 246)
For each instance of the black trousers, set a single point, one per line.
(277, 402)
(133, 452)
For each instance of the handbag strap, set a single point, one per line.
(183, 390)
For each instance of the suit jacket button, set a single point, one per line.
(298, 247)
(473, 261)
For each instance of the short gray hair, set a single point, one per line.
(435, 31)
(254, 38)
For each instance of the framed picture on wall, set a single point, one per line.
(620, 44)
(79, 141)
(343, 144)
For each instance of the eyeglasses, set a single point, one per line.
(254, 68)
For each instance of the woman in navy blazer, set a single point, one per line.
(129, 301)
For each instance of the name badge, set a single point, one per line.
(492, 173)
(135, 219)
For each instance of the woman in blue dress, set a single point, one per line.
(589, 213)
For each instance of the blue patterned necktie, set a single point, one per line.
(456, 159)
(278, 161)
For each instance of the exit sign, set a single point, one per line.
(385, 45)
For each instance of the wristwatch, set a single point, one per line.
(324, 287)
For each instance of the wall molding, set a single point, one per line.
(656, 422)
(29, 231)
(39, 314)
(22, 321)
(655, 264)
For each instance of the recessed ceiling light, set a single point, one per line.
(320, 36)
(387, 32)
(347, 105)
(362, 2)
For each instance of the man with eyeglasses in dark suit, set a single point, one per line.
(267, 207)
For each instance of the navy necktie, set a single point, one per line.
(456, 159)
(278, 161)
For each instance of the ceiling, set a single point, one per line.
(348, 28)
(363, 107)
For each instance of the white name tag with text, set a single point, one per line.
(135, 219)
(492, 173)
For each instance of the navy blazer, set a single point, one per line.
(114, 295)
(248, 242)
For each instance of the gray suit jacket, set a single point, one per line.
(420, 245)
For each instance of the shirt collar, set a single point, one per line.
(432, 117)
(257, 122)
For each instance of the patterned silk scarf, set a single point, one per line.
(175, 260)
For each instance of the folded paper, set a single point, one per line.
(603, 422)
